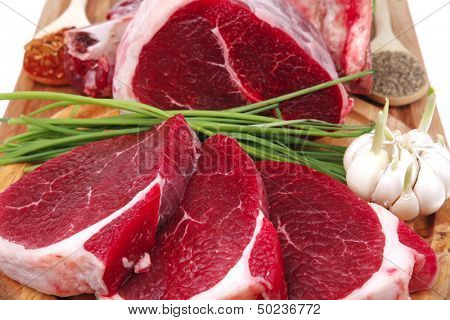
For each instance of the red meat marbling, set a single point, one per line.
(76, 223)
(219, 244)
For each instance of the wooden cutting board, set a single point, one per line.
(435, 229)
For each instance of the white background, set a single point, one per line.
(434, 37)
(16, 28)
(348, 310)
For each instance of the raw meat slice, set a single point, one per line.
(218, 54)
(335, 245)
(346, 28)
(75, 224)
(219, 244)
(90, 55)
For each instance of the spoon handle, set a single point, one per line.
(77, 5)
(383, 24)
(73, 16)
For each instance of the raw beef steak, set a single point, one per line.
(77, 223)
(219, 244)
(346, 26)
(90, 54)
(337, 246)
(218, 54)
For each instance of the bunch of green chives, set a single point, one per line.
(261, 136)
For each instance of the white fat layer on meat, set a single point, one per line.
(334, 26)
(239, 282)
(64, 268)
(149, 19)
(227, 64)
(143, 263)
(113, 297)
(127, 264)
(271, 13)
(392, 280)
(108, 34)
(91, 82)
(277, 17)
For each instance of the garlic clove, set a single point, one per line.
(440, 164)
(361, 144)
(365, 171)
(389, 187)
(430, 190)
(407, 159)
(442, 150)
(419, 138)
(406, 207)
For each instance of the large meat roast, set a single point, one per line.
(218, 54)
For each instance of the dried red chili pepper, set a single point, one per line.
(44, 59)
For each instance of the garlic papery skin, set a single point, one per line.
(361, 144)
(391, 184)
(419, 138)
(407, 159)
(438, 158)
(429, 189)
(365, 171)
(389, 187)
(367, 167)
(407, 206)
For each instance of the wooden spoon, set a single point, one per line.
(385, 40)
(73, 16)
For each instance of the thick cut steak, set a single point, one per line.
(77, 223)
(218, 54)
(337, 246)
(90, 54)
(346, 26)
(219, 244)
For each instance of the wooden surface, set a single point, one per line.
(435, 229)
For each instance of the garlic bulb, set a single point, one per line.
(407, 173)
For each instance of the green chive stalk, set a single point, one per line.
(262, 137)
